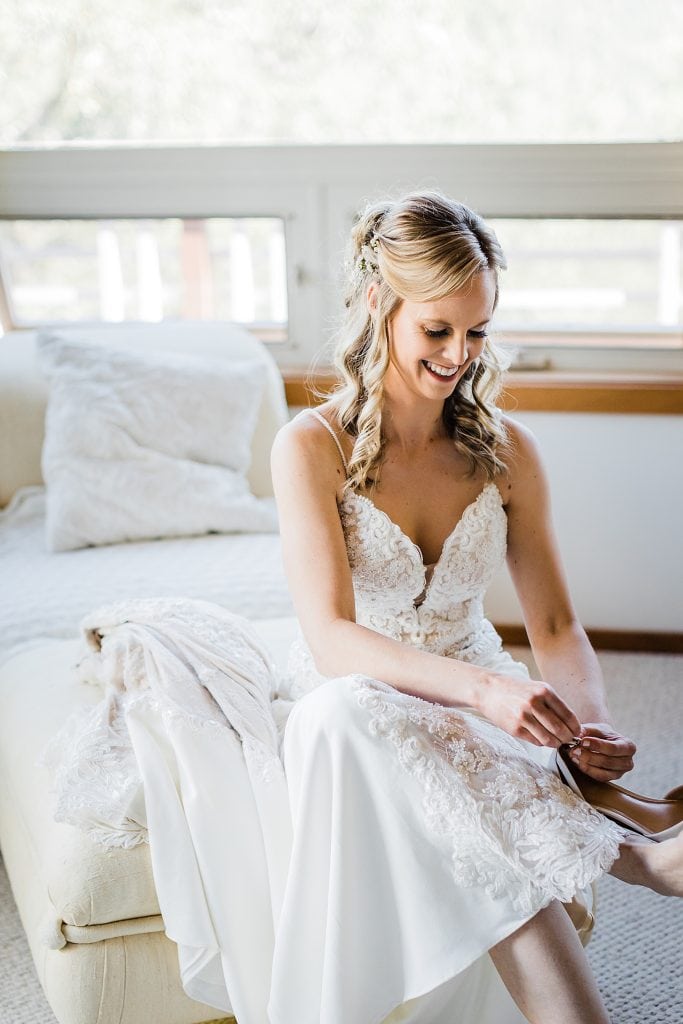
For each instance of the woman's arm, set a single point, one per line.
(307, 473)
(559, 643)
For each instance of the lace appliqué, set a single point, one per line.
(512, 826)
(95, 778)
(301, 676)
(389, 576)
(188, 664)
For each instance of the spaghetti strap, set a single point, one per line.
(336, 439)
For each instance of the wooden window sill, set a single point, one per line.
(548, 391)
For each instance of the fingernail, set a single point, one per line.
(586, 744)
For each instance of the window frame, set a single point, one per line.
(316, 190)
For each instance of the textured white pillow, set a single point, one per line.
(146, 445)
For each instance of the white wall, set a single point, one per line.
(617, 496)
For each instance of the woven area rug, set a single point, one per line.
(636, 947)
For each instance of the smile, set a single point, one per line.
(440, 371)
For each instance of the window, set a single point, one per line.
(148, 269)
(257, 234)
(592, 282)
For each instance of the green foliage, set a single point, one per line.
(277, 71)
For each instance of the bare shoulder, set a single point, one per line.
(303, 447)
(527, 480)
(525, 459)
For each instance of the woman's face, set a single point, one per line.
(432, 344)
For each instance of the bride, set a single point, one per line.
(442, 849)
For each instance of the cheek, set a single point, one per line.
(476, 350)
(400, 343)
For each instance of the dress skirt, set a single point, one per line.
(324, 851)
(422, 836)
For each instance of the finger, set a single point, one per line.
(602, 774)
(554, 724)
(604, 731)
(524, 734)
(597, 729)
(544, 736)
(553, 701)
(619, 746)
(623, 764)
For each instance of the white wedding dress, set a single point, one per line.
(426, 834)
(376, 845)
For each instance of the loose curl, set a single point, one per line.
(421, 247)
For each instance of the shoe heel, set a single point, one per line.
(602, 802)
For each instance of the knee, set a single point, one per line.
(330, 707)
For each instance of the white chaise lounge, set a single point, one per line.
(90, 913)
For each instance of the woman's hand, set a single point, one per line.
(530, 711)
(603, 753)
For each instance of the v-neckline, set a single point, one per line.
(416, 547)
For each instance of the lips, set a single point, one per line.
(440, 376)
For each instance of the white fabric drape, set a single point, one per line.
(184, 750)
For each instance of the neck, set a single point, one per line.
(410, 421)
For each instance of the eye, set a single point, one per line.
(444, 332)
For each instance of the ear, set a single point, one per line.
(372, 296)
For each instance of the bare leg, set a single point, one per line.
(543, 964)
(659, 866)
(545, 970)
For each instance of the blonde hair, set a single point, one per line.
(420, 247)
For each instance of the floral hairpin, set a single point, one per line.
(364, 264)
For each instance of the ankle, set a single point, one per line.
(657, 866)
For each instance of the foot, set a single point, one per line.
(658, 866)
(666, 860)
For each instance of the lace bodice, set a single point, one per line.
(444, 615)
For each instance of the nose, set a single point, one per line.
(456, 351)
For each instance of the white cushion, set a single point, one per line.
(141, 445)
(24, 390)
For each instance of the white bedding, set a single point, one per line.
(45, 594)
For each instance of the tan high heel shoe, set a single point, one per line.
(650, 817)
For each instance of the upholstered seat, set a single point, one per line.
(91, 913)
